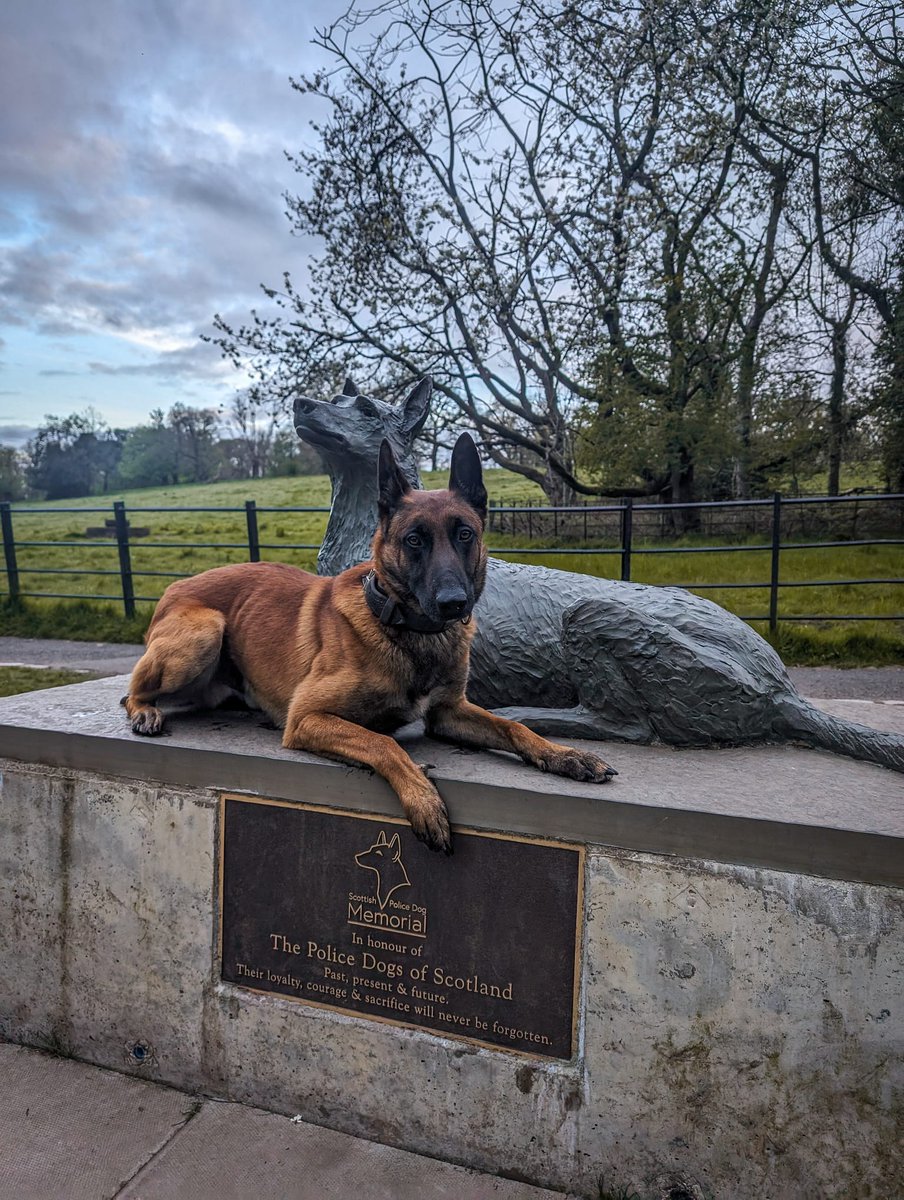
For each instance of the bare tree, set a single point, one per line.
(837, 307)
(845, 117)
(530, 202)
(874, 89)
(254, 425)
(194, 432)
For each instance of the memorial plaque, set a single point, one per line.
(352, 912)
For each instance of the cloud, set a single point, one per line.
(141, 148)
(56, 328)
(193, 360)
(16, 435)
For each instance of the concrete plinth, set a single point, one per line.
(742, 1027)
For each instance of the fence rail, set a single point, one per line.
(629, 525)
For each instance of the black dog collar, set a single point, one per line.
(390, 612)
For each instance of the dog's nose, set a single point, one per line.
(303, 406)
(451, 602)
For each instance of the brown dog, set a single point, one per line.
(338, 662)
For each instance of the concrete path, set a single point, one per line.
(102, 659)
(854, 683)
(79, 1132)
(99, 658)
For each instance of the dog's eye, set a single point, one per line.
(413, 540)
(465, 534)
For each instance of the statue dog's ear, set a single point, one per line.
(466, 475)
(416, 406)
(391, 483)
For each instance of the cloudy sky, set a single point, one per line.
(141, 175)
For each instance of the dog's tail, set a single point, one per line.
(803, 722)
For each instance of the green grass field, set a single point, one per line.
(856, 642)
(14, 680)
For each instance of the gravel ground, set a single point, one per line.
(101, 658)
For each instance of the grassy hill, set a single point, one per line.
(293, 537)
(281, 532)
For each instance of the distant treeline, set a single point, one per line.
(80, 455)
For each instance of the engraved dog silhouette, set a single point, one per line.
(385, 860)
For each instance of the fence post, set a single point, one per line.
(530, 523)
(9, 550)
(125, 557)
(627, 529)
(254, 547)
(776, 548)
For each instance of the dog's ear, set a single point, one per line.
(348, 391)
(395, 847)
(416, 406)
(392, 484)
(466, 475)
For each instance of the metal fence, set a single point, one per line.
(625, 524)
(841, 518)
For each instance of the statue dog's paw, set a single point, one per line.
(578, 764)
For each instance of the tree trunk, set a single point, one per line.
(681, 490)
(744, 402)
(557, 491)
(836, 404)
(894, 403)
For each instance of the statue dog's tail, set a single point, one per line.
(803, 722)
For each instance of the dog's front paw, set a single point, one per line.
(429, 819)
(577, 764)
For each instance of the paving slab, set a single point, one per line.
(887, 715)
(230, 1152)
(69, 1131)
(74, 1132)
